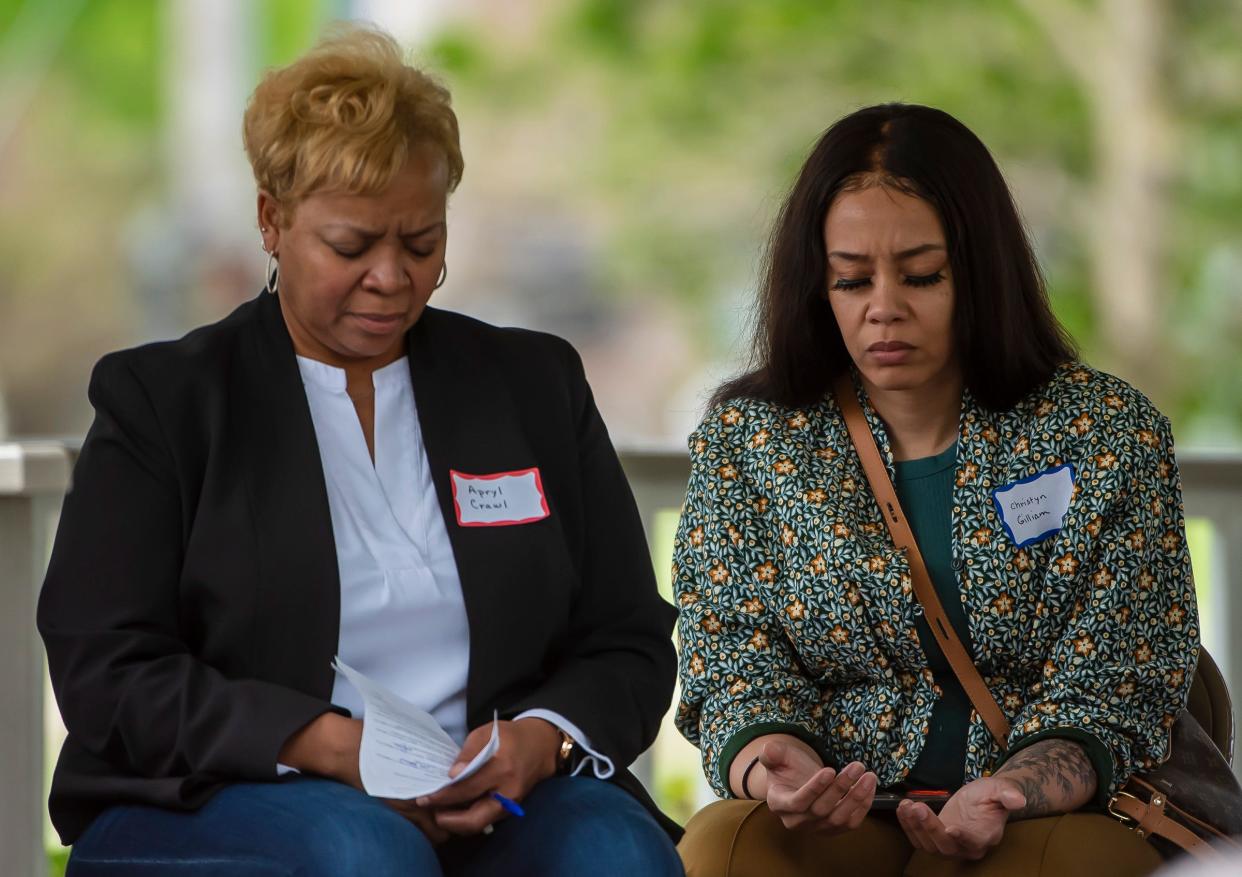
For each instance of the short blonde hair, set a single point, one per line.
(344, 117)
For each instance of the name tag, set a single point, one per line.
(499, 500)
(1034, 508)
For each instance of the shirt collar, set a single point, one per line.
(332, 379)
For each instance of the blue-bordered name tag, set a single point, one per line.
(1034, 508)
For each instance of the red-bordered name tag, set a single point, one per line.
(500, 500)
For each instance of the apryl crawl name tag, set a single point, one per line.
(1034, 508)
(499, 500)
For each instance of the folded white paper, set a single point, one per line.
(405, 753)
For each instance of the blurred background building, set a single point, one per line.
(624, 160)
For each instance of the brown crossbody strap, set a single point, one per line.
(924, 591)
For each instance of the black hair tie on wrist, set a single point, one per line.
(746, 775)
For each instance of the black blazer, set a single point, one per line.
(191, 607)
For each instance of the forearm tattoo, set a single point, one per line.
(1055, 775)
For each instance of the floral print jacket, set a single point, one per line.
(797, 613)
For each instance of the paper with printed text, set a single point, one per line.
(405, 753)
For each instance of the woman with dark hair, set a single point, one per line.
(1043, 498)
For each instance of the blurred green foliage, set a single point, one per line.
(285, 28)
(696, 115)
(109, 50)
(675, 127)
(105, 53)
(716, 92)
(57, 860)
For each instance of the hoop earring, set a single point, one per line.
(443, 276)
(272, 273)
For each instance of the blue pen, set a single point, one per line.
(510, 805)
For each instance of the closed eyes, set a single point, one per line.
(915, 280)
(352, 253)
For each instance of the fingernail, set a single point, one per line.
(853, 772)
(421, 802)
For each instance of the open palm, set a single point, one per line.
(806, 795)
(971, 823)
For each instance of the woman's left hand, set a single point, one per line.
(527, 754)
(971, 822)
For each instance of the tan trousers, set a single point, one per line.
(743, 839)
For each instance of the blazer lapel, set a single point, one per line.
(296, 550)
(469, 424)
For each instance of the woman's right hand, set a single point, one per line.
(328, 746)
(810, 797)
(423, 817)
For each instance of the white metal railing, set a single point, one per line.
(1212, 490)
(34, 476)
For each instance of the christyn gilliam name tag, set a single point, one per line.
(499, 500)
(1034, 508)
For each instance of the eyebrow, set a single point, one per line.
(904, 254)
(372, 233)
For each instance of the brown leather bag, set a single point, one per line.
(1192, 802)
(1189, 802)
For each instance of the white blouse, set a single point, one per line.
(403, 618)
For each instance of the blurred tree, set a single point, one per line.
(88, 252)
(78, 144)
(659, 138)
(1118, 123)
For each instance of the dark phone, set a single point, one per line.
(889, 800)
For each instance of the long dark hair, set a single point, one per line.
(1007, 339)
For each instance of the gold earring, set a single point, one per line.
(443, 276)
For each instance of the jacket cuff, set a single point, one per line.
(738, 741)
(284, 712)
(1101, 756)
(601, 765)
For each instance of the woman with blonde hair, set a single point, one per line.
(909, 371)
(339, 469)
